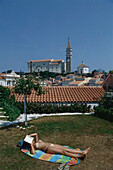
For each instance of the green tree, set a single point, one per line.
(4, 93)
(25, 86)
(111, 71)
(7, 102)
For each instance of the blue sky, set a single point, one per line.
(39, 29)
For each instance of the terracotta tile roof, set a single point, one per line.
(67, 79)
(70, 75)
(48, 82)
(99, 75)
(57, 81)
(75, 82)
(93, 78)
(33, 61)
(59, 76)
(108, 81)
(99, 82)
(2, 74)
(57, 60)
(65, 94)
(82, 65)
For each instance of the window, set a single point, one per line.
(8, 83)
(81, 70)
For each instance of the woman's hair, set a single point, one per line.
(26, 145)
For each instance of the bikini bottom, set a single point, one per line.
(48, 147)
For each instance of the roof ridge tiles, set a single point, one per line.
(69, 94)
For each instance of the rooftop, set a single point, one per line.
(75, 82)
(33, 61)
(65, 94)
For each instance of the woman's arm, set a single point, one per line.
(32, 149)
(35, 136)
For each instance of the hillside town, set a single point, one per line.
(63, 86)
(63, 74)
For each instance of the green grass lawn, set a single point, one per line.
(75, 131)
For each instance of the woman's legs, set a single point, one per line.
(54, 150)
(75, 151)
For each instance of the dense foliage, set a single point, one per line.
(47, 74)
(7, 102)
(48, 108)
(4, 93)
(111, 71)
(105, 108)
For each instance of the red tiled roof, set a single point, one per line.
(70, 75)
(33, 61)
(108, 81)
(56, 60)
(82, 65)
(2, 74)
(99, 82)
(48, 82)
(67, 79)
(98, 75)
(75, 82)
(65, 94)
(59, 76)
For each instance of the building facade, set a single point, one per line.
(68, 57)
(82, 69)
(8, 79)
(51, 65)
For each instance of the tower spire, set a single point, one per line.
(68, 57)
(68, 44)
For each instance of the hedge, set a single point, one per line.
(49, 108)
(7, 102)
(105, 108)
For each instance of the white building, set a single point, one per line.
(51, 65)
(8, 79)
(82, 69)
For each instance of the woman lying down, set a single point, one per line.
(55, 149)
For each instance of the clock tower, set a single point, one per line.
(68, 57)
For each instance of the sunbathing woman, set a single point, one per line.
(55, 149)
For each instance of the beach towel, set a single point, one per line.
(56, 158)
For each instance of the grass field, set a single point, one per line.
(75, 131)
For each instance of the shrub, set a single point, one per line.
(105, 108)
(49, 108)
(11, 111)
(4, 93)
(7, 101)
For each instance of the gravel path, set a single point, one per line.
(21, 118)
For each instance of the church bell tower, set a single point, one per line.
(68, 57)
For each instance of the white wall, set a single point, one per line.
(84, 70)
